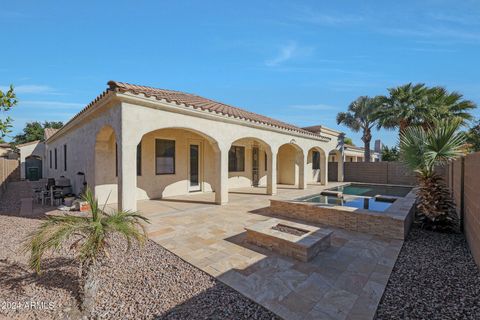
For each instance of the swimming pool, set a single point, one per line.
(372, 190)
(366, 203)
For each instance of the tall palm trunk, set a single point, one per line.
(366, 138)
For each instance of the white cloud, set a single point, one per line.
(288, 52)
(313, 107)
(285, 54)
(52, 104)
(308, 15)
(31, 88)
(437, 35)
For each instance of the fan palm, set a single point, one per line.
(361, 116)
(89, 237)
(423, 150)
(417, 104)
(445, 105)
(404, 106)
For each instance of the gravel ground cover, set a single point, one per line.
(434, 277)
(11, 199)
(145, 283)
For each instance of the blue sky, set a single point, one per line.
(301, 62)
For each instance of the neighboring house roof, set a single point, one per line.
(355, 148)
(28, 143)
(197, 102)
(49, 132)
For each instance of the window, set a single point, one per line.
(51, 159)
(164, 156)
(139, 159)
(56, 166)
(65, 157)
(236, 159)
(266, 162)
(316, 160)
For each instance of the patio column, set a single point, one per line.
(272, 173)
(340, 167)
(221, 171)
(127, 175)
(323, 169)
(302, 179)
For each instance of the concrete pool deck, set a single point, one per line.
(346, 281)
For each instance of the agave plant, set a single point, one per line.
(89, 237)
(424, 149)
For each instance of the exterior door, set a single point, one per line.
(194, 168)
(255, 165)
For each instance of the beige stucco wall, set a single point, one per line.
(81, 141)
(135, 118)
(289, 160)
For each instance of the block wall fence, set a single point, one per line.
(464, 183)
(9, 171)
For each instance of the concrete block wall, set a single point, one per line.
(333, 171)
(380, 172)
(464, 184)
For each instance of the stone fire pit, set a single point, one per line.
(299, 241)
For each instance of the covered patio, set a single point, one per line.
(344, 282)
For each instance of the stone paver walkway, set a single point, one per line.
(344, 282)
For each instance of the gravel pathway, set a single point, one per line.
(10, 200)
(434, 277)
(147, 283)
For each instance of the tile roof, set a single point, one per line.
(201, 103)
(191, 100)
(49, 132)
(314, 129)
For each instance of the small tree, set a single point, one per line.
(90, 235)
(473, 137)
(35, 131)
(7, 101)
(423, 150)
(390, 154)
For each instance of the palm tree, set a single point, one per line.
(423, 150)
(403, 107)
(417, 104)
(445, 105)
(90, 236)
(361, 115)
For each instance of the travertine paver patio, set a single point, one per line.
(344, 282)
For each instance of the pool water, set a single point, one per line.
(355, 202)
(372, 190)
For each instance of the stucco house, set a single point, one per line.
(33, 157)
(136, 142)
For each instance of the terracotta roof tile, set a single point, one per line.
(314, 129)
(198, 102)
(191, 100)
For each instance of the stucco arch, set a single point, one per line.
(256, 156)
(290, 164)
(152, 184)
(336, 162)
(316, 168)
(106, 165)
